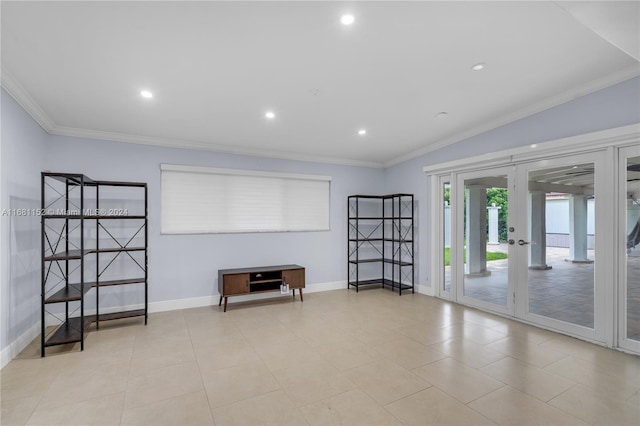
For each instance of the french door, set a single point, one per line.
(629, 248)
(561, 271)
(483, 259)
(523, 241)
(445, 235)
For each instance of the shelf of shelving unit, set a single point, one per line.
(381, 235)
(70, 331)
(69, 238)
(119, 315)
(68, 293)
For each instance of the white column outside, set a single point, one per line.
(578, 229)
(477, 231)
(538, 236)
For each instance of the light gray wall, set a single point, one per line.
(185, 266)
(22, 153)
(615, 106)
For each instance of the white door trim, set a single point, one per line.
(621, 249)
(437, 232)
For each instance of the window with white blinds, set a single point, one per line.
(198, 200)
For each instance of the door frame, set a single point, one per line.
(438, 273)
(621, 239)
(610, 141)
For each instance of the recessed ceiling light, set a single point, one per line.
(347, 19)
(270, 115)
(534, 145)
(441, 115)
(479, 67)
(362, 132)
(146, 94)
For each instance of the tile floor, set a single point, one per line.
(564, 292)
(370, 358)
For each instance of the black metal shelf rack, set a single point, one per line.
(381, 241)
(71, 232)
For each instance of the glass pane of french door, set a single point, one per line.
(630, 190)
(446, 237)
(485, 251)
(560, 236)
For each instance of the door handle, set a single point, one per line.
(522, 242)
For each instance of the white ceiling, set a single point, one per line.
(215, 68)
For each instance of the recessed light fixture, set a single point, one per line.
(534, 145)
(574, 167)
(146, 94)
(362, 132)
(347, 19)
(479, 66)
(441, 115)
(270, 115)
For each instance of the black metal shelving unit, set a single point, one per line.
(75, 221)
(381, 241)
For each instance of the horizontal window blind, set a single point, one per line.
(197, 200)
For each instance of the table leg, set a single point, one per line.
(301, 299)
(220, 302)
(225, 303)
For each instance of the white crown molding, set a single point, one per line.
(204, 146)
(548, 103)
(25, 100)
(619, 136)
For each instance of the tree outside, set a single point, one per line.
(499, 196)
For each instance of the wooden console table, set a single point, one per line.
(234, 282)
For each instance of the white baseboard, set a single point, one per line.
(191, 302)
(198, 302)
(15, 347)
(19, 344)
(424, 289)
(328, 286)
(27, 337)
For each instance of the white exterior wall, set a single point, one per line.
(557, 221)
